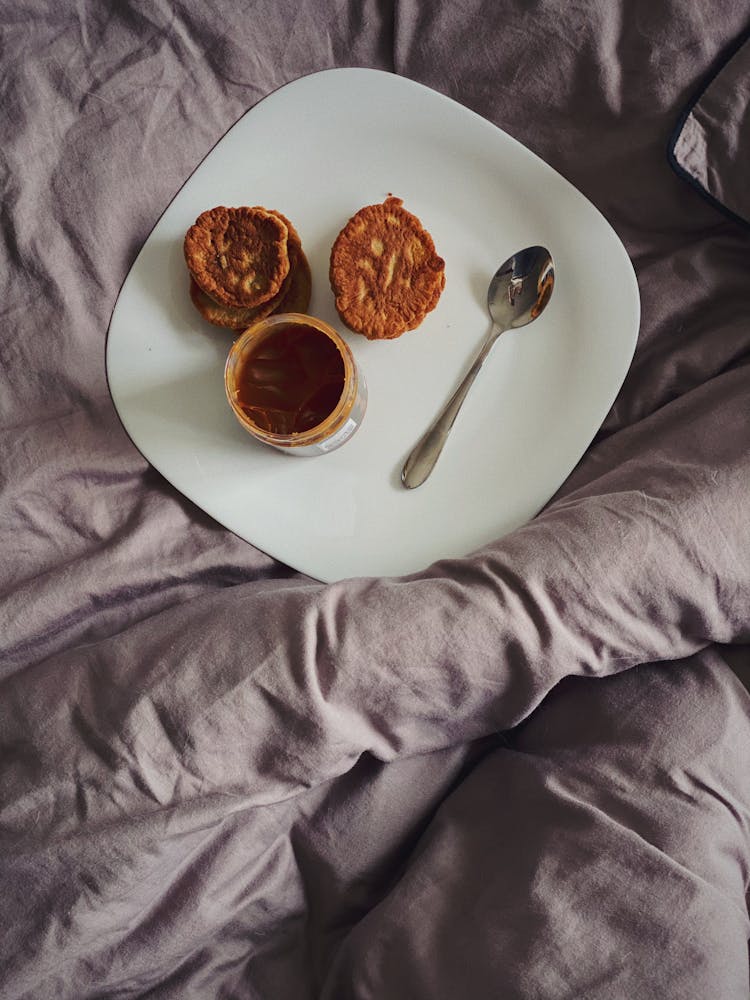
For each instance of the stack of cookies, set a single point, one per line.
(245, 263)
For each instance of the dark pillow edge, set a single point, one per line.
(711, 74)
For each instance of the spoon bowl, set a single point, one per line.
(518, 293)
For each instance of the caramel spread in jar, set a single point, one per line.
(292, 380)
(293, 383)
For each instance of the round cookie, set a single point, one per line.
(384, 271)
(238, 256)
(233, 318)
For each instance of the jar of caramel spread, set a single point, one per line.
(293, 383)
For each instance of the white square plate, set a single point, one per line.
(318, 150)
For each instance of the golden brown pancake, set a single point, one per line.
(238, 256)
(384, 271)
(234, 318)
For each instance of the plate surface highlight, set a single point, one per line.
(318, 150)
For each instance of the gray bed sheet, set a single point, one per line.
(519, 774)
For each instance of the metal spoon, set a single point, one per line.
(518, 292)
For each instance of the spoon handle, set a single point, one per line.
(426, 451)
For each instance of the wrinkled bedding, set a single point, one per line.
(519, 774)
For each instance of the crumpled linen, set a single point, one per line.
(519, 773)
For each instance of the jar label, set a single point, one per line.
(340, 436)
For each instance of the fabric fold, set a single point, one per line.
(261, 692)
